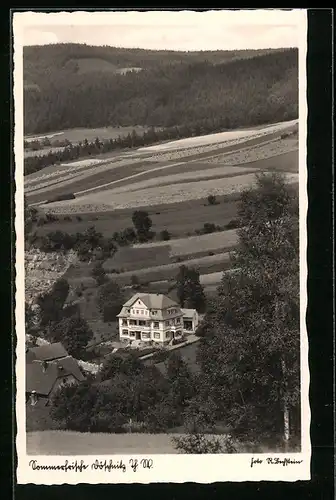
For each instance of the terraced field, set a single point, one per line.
(173, 193)
(180, 219)
(208, 264)
(174, 190)
(194, 244)
(82, 175)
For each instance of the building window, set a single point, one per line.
(142, 323)
(178, 321)
(145, 335)
(154, 313)
(141, 311)
(137, 311)
(132, 322)
(132, 334)
(167, 323)
(128, 310)
(156, 324)
(178, 333)
(168, 335)
(156, 335)
(124, 322)
(125, 332)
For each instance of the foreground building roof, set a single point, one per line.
(42, 375)
(47, 352)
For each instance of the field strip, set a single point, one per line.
(200, 261)
(160, 168)
(126, 178)
(211, 278)
(220, 137)
(186, 177)
(139, 174)
(199, 243)
(99, 169)
(83, 172)
(105, 165)
(176, 193)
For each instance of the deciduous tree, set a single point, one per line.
(110, 300)
(250, 353)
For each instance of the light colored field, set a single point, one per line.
(173, 193)
(255, 153)
(30, 138)
(233, 135)
(195, 244)
(76, 443)
(211, 279)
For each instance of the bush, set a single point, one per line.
(165, 235)
(61, 197)
(212, 199)
(233, 224)
(160, 356)
(135, 280)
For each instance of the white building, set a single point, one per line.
(152, 317)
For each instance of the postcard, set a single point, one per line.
(160, 218)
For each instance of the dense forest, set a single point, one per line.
(68, 86)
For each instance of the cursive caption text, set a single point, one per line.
(133, 464)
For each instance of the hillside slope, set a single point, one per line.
(70, 86)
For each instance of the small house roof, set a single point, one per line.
(47, 352)
(42, 380)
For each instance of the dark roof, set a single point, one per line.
(43, 381)
(47, 352)
(156, 301)
(152, 300)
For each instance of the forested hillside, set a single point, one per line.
(80, 86)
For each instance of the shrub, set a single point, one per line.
(165, 235)
(233, 224)
(208, 228)
(61, 197)
(79, 218)
(212, 199)
(135, 280)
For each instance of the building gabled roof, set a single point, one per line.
(152, 300)
(41, 378)
(47, 352)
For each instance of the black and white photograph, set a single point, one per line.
(160, 168)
